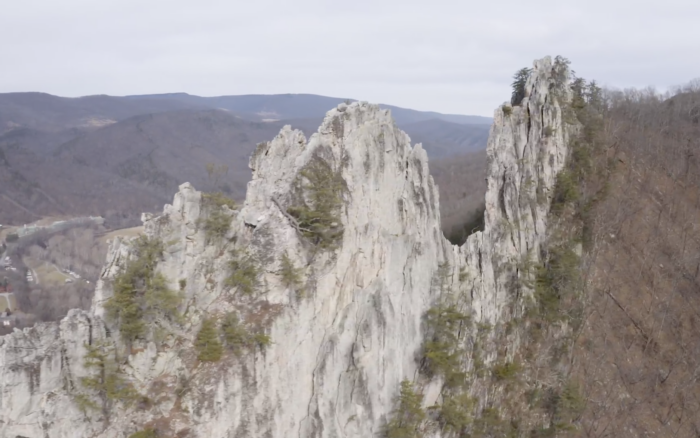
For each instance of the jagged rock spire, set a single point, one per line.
(340, 348)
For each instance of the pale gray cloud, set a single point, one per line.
(449, 56)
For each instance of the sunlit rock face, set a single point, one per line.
(341, 343)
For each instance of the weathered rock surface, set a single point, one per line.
(338, 352)
(526, 150)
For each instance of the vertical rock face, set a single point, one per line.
(341, 347)
(527, 148)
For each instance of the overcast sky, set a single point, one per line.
(449, 56)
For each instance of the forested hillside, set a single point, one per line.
(638, 353)
(462, 183)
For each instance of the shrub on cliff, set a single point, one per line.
(446, 325)
(566, 190)
(103, 381)
(408, 417)
(291, 275)
(442, 349)
(217, 223)
(455, 413)
(140, 294)
(237, 337)
(506, 371)
(243, 273)
(564, 407)
(207, 343)
(317, 212)
(519, 82)
(557, 281)
(217, 200)
(146, 433)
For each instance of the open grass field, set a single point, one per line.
(47, 273)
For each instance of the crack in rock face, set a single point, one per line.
(362, 232)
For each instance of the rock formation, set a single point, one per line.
(347, 335)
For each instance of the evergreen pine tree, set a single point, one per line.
(207, 343)
(291, 276)
(409, 416)
(519, 81)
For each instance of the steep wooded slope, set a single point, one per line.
(637, 355)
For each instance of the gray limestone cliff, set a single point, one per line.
(340, 349)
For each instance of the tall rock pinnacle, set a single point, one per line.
(339, 238)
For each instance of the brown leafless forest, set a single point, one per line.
(50, 257)
(638, 354)
(462, 184)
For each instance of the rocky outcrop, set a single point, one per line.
(341, 346)
(527, 148)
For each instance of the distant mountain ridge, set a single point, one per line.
(47, 112)
(119, 156)
(302, 106)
